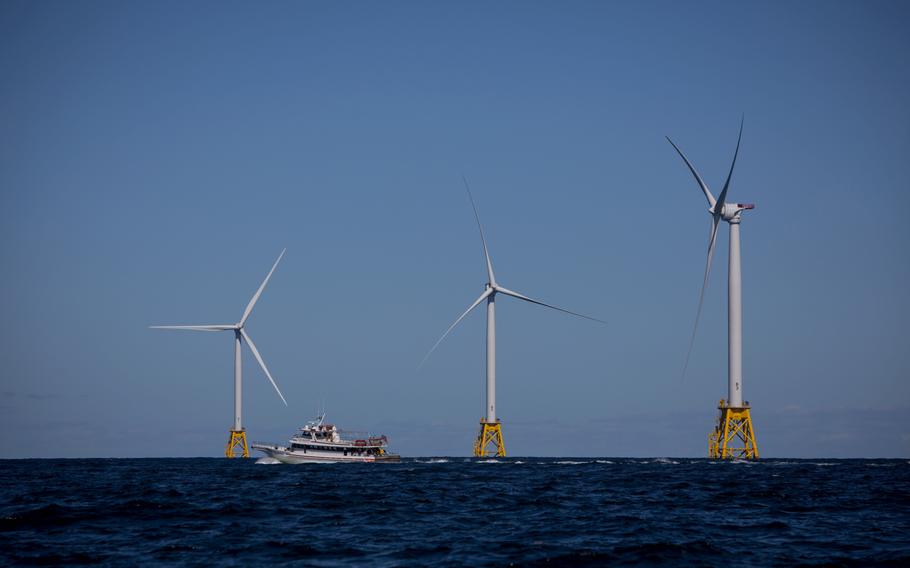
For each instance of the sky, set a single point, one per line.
(155, 158)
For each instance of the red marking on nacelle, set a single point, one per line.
(747, 205)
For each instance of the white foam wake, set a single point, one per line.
(666, 461)
(267, 461)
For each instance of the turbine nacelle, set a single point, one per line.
(731, 211)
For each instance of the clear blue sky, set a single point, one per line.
(156, 157)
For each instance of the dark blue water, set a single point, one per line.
(525, 511)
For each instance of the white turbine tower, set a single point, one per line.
(238, 434)
(734, 420)
(490, 426)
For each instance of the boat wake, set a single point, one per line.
(267, 461)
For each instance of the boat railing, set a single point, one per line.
(354, 433)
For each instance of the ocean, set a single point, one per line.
(455, 511)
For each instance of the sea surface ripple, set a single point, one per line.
(455, 511)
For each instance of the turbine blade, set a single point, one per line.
(719, 206)
(508, 292)
(715, 221)
(261, 363)
(701, 183)
(483, 239)
(195, 327)
(482, 297)
(249, 307)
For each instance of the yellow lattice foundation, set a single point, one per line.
(490, 433)
(733, 436)
(238, 440)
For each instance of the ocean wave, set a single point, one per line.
(570, 463)
(433, 460)
(48, 516)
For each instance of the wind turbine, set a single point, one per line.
(490, 426)
(734, 419)
(238, 434)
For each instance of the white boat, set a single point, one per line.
(318, 442)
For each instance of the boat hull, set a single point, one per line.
(284, 455)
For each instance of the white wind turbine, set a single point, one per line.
(720, 210)
(491, 289)
(240, 335)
